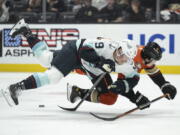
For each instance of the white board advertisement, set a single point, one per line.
(17, 51)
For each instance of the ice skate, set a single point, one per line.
(7, 97)
(20, 28)
(72, 93)
(11, 93)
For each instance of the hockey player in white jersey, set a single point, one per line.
(92, 56)
(116, 53)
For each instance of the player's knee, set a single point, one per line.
(54, 75)
(108, 98)
(51, 76)
(46, 58)
(43, 54)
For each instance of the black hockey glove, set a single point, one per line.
(167, 88)
(118, 87)
(141, 101)
(124, 86)
(106, 64)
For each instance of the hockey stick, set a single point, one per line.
(87, 94)
(128, 112)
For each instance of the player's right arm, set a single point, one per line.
(157, 77)
(88, 53)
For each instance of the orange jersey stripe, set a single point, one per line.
(138, 61)
(79, 71)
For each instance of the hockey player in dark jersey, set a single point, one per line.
(92, 56)
(145, 59)
(107, 93)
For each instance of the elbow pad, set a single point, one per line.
(89, 54)
(158, 78)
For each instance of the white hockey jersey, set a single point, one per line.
(106, 48)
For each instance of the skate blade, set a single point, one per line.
(15, 27)
(68, 93)
(6, 98)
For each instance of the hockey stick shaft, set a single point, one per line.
(137, 108)
(128, 112)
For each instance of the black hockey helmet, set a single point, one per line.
(152, 51)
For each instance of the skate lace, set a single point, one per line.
(18, 92)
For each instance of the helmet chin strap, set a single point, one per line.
(114, 57)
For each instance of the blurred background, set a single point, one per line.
(90, 11)
(58, 21)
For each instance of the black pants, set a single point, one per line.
(66, 59)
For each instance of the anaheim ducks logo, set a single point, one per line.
(156, 50)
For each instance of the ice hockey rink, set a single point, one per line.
(162, 118)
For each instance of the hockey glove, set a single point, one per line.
(124, 86)
(141, 101)
(118, 87)
(106, 64)
(169, 89)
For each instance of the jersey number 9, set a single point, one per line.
(99, 45)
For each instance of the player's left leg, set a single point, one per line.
(36, 80)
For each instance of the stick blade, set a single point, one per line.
(68, 109)
(104, 118)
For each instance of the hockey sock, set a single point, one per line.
(32, 40)
(29, 83)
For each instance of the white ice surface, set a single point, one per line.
(163, 117)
